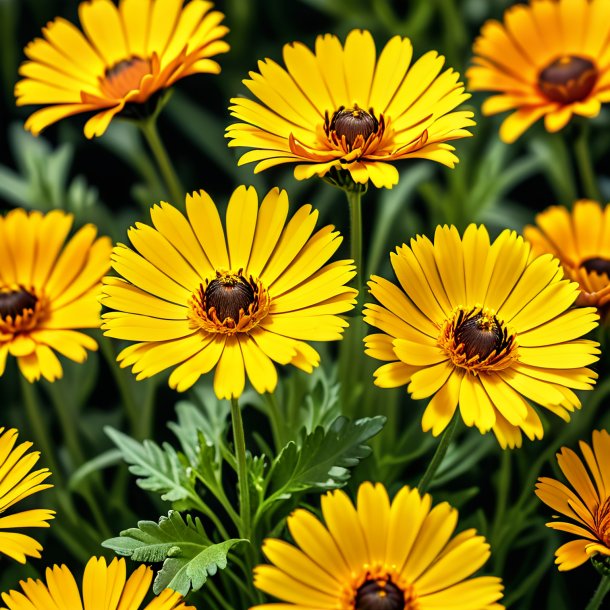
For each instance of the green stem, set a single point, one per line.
(39, 427)
(502, 495)
(67, 423)
(600, 593)
(585, 164)
(239, 441)
(151, 133)
(354, 200)
(275, 419)
(439, 454)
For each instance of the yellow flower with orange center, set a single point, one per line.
(586, 501)
(580, 239)
(344, 108)
(548, 58)
(123, 57)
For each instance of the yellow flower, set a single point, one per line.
(125, 56)
(379, 555)
(104, 588)
(341, 108)
(193, 299)
(587, 503)
(47, 292)
(581, 241)
(17, 483)
(484, 326)
(549, 59)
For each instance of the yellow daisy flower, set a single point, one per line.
(193, 299)
(46, 292)
(587, 502)
(581, 241)
(17, 483)
(484, 326)
(379, 555)
(342, 108)
(105, 587)
(123, 57)
(548, 59)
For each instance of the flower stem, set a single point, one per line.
(354, 200)
(439, 454)
(585, 164)
(151, 133)
(600, 593)
(239, 441)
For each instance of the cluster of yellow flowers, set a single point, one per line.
(491, 328)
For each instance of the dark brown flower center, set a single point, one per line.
(229, 295)
(481, 335)
(125, 76)
(568, 79)
(380, 594)
(597, 265)
(349, 123)
(15, 303)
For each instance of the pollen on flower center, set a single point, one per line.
(380, 594)
(597, 265)
(19, 309)
(352, 124)
(568, 79)
(125, 76)
(476, 340)
(229, 303)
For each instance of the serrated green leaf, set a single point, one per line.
(325, 456)
(188, 555)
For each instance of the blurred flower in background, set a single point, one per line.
(379, 555)
(193, 299)
(16, 484)
(125, 56)
(342, 108)
(483, 326)
(48, 290)
(580, 239)
(547, 59)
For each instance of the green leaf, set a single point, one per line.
(188, 555)
(325, 456)
(159, 468)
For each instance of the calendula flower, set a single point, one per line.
(48, 290)
(379, 555)
(192, 298)
(586, 501)
(124, 56)
(488, 327)
(581, 241)
(17, 483)
(104, 587)
(547, 59)
(342, 108)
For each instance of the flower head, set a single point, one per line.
(379, 555)
(342, 108)
(123, 57)
(192, 298)
(547, 59)
(17, 483)
(46, 292)
(105, 587)
(587, 502)
(581, 241)
(484, 326)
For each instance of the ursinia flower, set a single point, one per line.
(123, 57)
(17, 483)
(483, 326)
(580, 239)
(104, 587)
(48, 290)
(344, 108)
(549, 58)
(193, 299)
(586, 501)
(378, 555)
